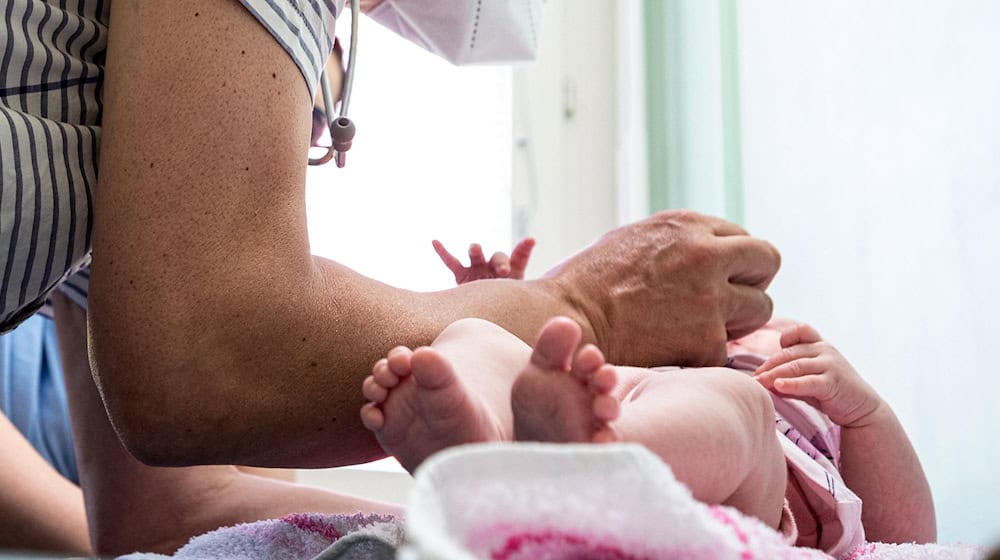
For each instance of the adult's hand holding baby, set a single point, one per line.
(670, 289)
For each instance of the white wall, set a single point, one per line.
(872, 160)
(565, 132)
(560, 169)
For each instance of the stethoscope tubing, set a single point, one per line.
(345, 101)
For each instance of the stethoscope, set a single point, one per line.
(341, 128)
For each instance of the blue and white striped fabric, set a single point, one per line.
(75, 287)
(51, 72)
(304, 28)
(50, 109)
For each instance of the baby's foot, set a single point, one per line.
(418, 406)
(562, 397)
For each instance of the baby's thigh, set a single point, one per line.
(725, 386)
(629, 378)
(695, 417)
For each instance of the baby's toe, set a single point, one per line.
(604, 379)
(587, 360)
(606, 408)
(398, 360)
(606, 434)
(385, 377)
(372, 391)
(372, 417)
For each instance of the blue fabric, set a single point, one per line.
(32, 393)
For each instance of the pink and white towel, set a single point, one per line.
(301, 536)
(601, 502)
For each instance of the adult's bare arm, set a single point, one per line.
(218, 338)
(32, 491)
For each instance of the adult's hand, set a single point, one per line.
(671, 289)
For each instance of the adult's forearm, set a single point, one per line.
(356, 320)
(880, 465)
(272, 375)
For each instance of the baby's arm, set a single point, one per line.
(877, 460)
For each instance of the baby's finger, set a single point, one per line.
(799, 334)
(520, 256)
(476, 257)
(500, 265)
(785, 355)
(816, 386)
(447, 258)
(792, 369)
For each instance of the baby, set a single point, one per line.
(478, 382)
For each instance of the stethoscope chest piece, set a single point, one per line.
(342, 128)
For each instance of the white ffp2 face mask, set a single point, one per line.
(467, 31)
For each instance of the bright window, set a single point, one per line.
(431, 160)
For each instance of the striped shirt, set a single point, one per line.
(51, 72)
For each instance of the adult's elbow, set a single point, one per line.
(153, 393)
(142, 410)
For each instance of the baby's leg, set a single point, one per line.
(714, 427)
(455, 391)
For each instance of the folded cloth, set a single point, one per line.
(536, 501)
(304, 536)
(562, 501)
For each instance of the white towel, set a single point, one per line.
(551, 501)
(559, 502)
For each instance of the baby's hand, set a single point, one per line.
(499, 266)
(812, 370)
